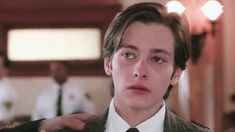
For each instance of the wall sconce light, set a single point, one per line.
(175, 6)
(212, 9)
(202, 16)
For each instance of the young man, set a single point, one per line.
(145, 51)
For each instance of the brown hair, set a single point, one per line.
(150, 13)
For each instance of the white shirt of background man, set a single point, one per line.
(74, 100)
(8, 101)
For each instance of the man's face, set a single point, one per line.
(142, 69)
(58, 72)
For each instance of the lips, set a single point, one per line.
(138, 88)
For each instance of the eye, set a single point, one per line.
(157, 59)
(128, 55)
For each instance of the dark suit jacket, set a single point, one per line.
(172, 123)
(32, 126)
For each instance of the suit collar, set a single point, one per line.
(98, 125)
(172, 123)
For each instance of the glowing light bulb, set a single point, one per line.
(212, 9)
(175, 6)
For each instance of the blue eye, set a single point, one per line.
(128, 55)
(157, 60)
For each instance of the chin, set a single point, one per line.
(138, 104)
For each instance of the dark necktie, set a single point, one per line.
(59, 102)
(132, 130)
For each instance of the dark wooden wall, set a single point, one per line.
(55, 14)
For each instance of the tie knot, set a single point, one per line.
(132, 130)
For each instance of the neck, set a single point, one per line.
(135, 116)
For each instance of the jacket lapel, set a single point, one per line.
(170, 122)
(97, 125)
(173, 123)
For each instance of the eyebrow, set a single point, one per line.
(125, 45)
(165, 51)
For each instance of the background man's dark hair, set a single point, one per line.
(5, 59)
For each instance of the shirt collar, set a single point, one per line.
(115, 123)
(56, 86)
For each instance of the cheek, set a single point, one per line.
(119, 62)
(120, 72)
(120, 66)
(161, 84)
(162, 75)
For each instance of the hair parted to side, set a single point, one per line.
(149, 13)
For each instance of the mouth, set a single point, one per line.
(138, 88)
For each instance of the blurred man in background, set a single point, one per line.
(62, 98)
(8, 97)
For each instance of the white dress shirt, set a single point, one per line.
(8, 101)
(73, 100)
(115, 123)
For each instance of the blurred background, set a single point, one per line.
(33, 33)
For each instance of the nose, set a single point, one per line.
(140, 70)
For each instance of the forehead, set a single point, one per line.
(151, 34)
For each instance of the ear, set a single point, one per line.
(176, 76)
(108, 66)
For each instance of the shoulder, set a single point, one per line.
(174, 122)
(97, 125)
(192, 126)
